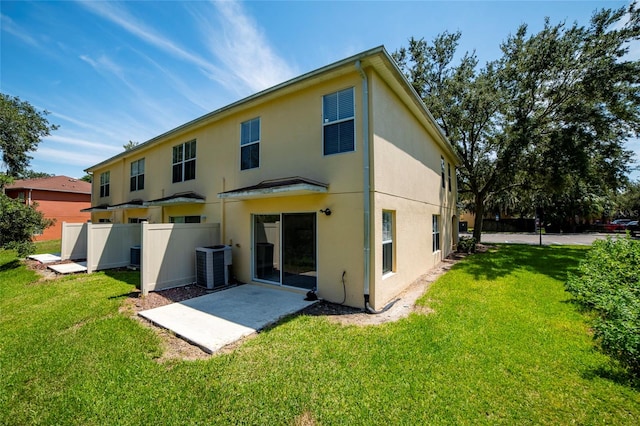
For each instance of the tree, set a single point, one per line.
(130, 145)
(30, 174)
(548, 119)
(18, 223)
(87, 178)
(22, 128)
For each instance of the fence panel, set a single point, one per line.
(168, 253)
(74, 241)
(109, 245)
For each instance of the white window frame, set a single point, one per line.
(435, 233)
(105, 179)
(251, 140)
(326, 122)
(137, 177)
(183, 160)
(388, 238)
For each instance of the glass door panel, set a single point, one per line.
(266, 230)
(299, 250)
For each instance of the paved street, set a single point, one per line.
(547, 239)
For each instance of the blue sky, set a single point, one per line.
(110, 72)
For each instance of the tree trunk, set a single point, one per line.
(477, 224)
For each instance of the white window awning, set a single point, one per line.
(133, 204)
(277, 188)
(177, 199)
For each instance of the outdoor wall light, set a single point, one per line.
(326, 211)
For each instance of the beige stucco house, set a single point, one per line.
(338, 180)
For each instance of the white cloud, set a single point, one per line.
(11, 27)
(82, 143)
(244, 49)
(122, 18)
(70, 158)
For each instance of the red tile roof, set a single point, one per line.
(55, 183)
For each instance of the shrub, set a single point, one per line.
(18, 223)
(467, 245)
(608, 284)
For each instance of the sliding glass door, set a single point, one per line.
(284, 247)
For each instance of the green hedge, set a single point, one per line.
(608, 284)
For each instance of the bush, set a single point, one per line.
(608, 284)
(467, 245)
(18, 223)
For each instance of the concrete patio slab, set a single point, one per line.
(69, 268)
(46, 258)
(218, 319)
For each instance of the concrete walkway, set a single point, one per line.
(218, 319)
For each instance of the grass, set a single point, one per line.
(503, 346)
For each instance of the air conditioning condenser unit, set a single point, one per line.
(213, 264)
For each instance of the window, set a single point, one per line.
(436, 233)
(387, 241)
(104, 184)
(442, 170)
(449, 174)
(136, 220)
(184, 219)
(250, 144)
(184, 161)
(137, 175)
(338, 112)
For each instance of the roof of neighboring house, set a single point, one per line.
(55, 183)
(378, 58)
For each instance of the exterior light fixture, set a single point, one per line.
(326, 211)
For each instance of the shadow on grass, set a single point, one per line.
(13, 264)
(553, 261)
(615, 374)
(124, 275)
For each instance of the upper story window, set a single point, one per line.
(449, 175)
(338, 121)
(104, 184)
(137, 175)
(250, 144)
(184, 161)
(442, 170)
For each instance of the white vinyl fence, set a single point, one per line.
(168, 257)
(167, 251)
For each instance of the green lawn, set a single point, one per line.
(503, 346)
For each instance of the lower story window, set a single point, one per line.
(387, 241)
(436, 233)
(184, 219)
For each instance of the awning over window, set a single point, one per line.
(133, 204)
(176, 199)
(100, 208)
(277, 188)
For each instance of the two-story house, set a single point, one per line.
(60, 198)
(338, 180)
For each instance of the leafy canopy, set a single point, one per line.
(22, 128)
(546, 121)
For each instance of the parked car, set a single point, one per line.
(617, 225)
(633, 228)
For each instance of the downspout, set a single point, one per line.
(366, 188)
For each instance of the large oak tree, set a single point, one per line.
(546, 121)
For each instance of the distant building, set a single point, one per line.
(59, 197)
